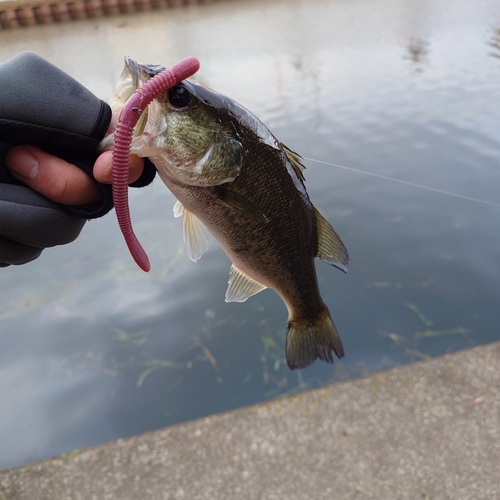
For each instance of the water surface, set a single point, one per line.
(93, 349)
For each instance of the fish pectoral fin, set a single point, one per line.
(295, 160)
(330, 247)
(241, 286)
(235, 201)
(141, 124)
(196, 236)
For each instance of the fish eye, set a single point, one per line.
(178, 96)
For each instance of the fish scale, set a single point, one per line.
(276, 250)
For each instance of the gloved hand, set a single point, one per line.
(30, 222)
(43, 106)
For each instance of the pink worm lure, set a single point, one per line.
(123, 137)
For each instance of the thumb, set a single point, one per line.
(51, 176)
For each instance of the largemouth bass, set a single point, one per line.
(234, 180)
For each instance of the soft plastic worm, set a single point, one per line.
(123, 137)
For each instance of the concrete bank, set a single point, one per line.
(425, 431)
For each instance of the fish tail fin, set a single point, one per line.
(307, 341)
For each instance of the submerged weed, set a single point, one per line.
(410, 343)
(141, 351)
(275, 370)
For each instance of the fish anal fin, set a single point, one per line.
(241, 286)
(307, 341)
(330, 246)
(196, 236)
(295, 160)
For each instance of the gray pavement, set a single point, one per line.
(424, 431)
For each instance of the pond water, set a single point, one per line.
(93, 349)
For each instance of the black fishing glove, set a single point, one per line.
(43, 106)
(30, 222)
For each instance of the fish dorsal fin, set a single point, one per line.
(295, 160)
(241, 286)
(196, 236)
(330, 247)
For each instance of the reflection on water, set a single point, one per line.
(92, 349)
(417, 53)
(495, 44)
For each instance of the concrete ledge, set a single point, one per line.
(424, 431)
(25, 13)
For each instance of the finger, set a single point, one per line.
(103, 168)
(112, 123)
(51, 176)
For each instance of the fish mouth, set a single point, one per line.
(141, 73)
(133, 77)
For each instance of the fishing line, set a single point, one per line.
(383, 177)
(407, 183)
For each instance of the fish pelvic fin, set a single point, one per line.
(330, 246)
(241, 286)
(196, 236)
(307, 341)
